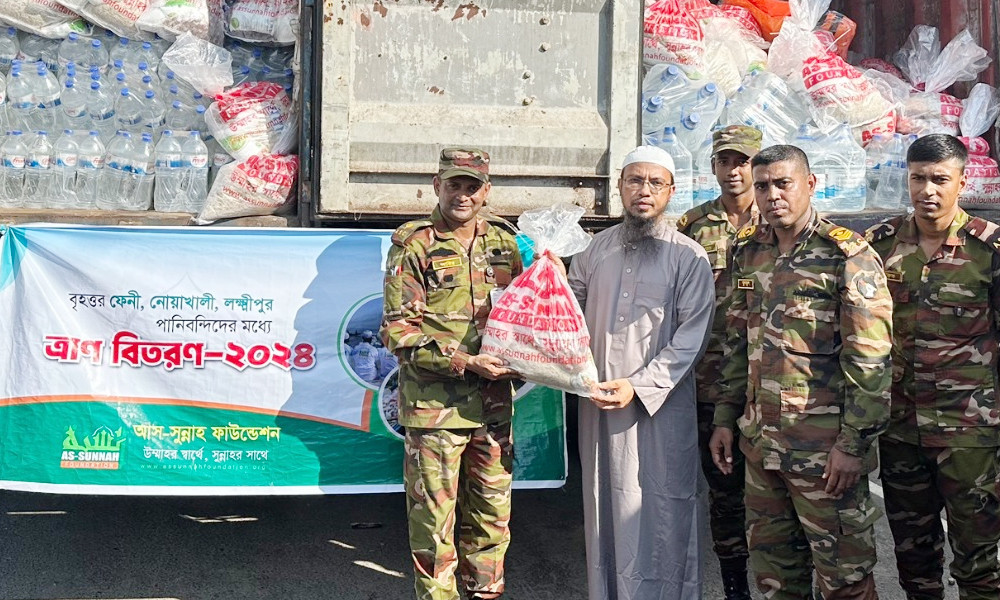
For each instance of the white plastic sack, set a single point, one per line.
(260, 185)
(916, 58)
(207, 67)
(729, 56)
(979, 110)
(253, 118)
(263, 21)
(41, 17)
(837, 91)
(171, 18)
(537, 325)
(120, 16)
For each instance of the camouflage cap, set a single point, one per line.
(741, 138)
(470, 162)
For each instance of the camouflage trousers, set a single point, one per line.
(918, 483)
(795, 528)
(471, 468)
(725, 497)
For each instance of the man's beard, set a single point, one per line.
(640, 232)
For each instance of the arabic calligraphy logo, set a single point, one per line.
(99, 450)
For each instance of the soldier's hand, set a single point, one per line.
(721, 447)
(490, 367)
(842, 472)
(558, 261)
(614, 394)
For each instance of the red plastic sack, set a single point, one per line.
(982, 174)
(538, 328)
(671, 34)
(743, 17)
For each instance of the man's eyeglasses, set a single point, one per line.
(655, 185)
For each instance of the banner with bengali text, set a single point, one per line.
(210, 361)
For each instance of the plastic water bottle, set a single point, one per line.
(846, 174)
(180, 117)
(74, 107)
(113, 182)
(147, 85)
(95, 55)
(128, 112)
(810, 143)
(664, 80)
(68, 74)
(241, 75)
(13, 154)
(683, 198)
(655, 116)
(9, 48)
(256, 63)
(168, 194)
(690, 132)
(62, 189)
(122, 52)
(153, 114)
(101, 108)
(706, 185)
(149, 55)
(874, 156)
(90, 163)
(22, 101)
(4, 124)
(45, 87)
(141, 174)
(34, 48)
(892, 192)
(37, 171)
(195, 161)
(70, 50)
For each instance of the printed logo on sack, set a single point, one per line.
(99, 450)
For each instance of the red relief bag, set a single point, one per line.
(536, 325)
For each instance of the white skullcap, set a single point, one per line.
(650, 154)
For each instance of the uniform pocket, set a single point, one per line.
(966, 397)
(962, 313)
(859, 519)
(810, 326)
(809, 420)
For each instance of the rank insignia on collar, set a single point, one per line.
(744, 284)
(446, 263)
(746, 232)
(682, 221)
(894, 276)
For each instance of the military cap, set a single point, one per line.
(741, 138)
(470, 162)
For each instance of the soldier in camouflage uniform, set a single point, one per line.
(455, 403)
(805, 374)
(714, 225)
(941, 447)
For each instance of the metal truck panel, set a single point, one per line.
(548, 88)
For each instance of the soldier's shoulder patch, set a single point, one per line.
(746, 232)
(849, 242)
(405, 231)
(883, 230)
(688, 218)
(985, 231)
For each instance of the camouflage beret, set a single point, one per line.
(470, 162)
(741, 138)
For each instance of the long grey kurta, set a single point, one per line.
(649, 317)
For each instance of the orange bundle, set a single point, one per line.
(841, 31)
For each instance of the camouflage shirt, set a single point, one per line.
(946, 311)
(708, 224)
(807, 347)
(437, 300)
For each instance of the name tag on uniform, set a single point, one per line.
(744, 284)
(896, 276)
(446, 263)
(495, 294)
